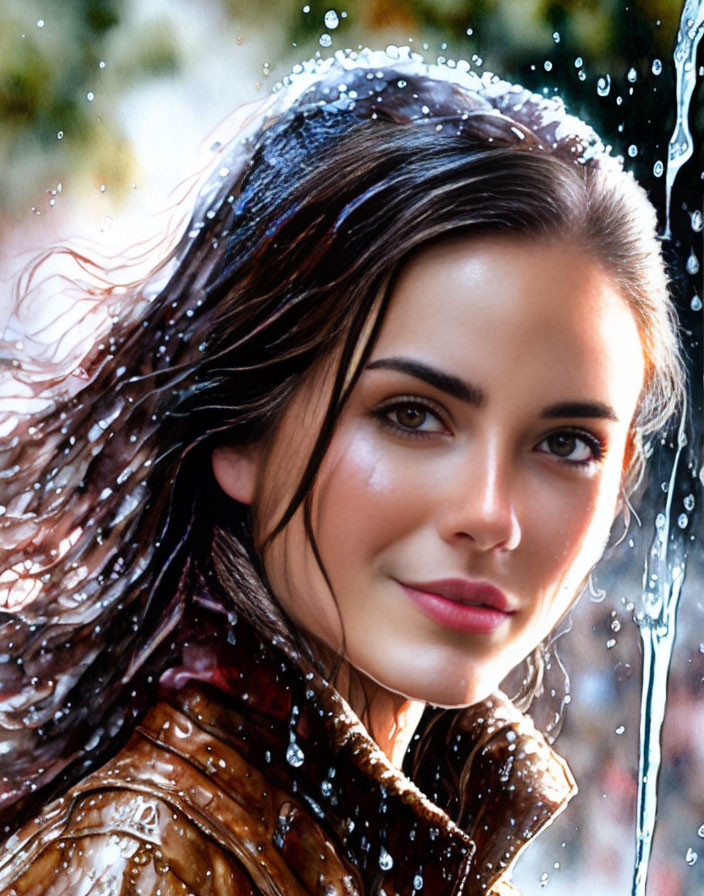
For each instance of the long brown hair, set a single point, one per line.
(111, 519)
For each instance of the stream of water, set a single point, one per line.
(663, 578)
(664, 572)
(681, 144)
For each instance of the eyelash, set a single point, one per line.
(596, 445)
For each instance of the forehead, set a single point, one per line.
(543, 315)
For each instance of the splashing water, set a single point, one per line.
(664, 571)
(663, 578)
(681, 144)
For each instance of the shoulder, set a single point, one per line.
(117, 842)
(152, 820)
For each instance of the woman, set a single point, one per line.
(351, 452)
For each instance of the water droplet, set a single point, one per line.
(658, 168)
(696, 304)
(418, 880)
(306, 8)
(603, 85)
(611, 643)
(633, 150)
(691, 857)
(632, 75)
(547, 65)
(90, 96)
(385, 860)
(582, 75)
(620, 729)
(325, 40)
(689, 502)
(579, 62)
(294, 755)
(40, 23)
(656, 67)
(101, 64)
(615, 626)
(692, 263)
(544, 877)
(556, 36)
(331, 19)
(696, 219)
(682, 520)
(469, 32)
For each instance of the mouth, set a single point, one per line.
(461, 604)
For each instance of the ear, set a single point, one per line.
(236, 470)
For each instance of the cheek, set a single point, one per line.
(366, 497)
(574, 537)
(361, 506)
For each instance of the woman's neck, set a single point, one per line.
(391, 719)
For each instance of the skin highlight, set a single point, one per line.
(485, 441)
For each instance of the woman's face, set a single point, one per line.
(473, 474)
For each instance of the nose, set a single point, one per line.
(481, 503)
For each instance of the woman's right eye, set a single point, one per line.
(410, 418)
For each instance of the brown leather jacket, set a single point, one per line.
(251, 775)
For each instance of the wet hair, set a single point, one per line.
(112, 524)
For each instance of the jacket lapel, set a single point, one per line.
(487, 767)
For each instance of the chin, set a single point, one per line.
(439, 690)
(452, 698)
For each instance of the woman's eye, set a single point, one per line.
(573, 447)
(411, 418)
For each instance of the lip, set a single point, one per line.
(461, 604)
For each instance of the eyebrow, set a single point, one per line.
(594, 409)
(445, 382)
(473, 395)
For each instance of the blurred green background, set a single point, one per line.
(66, 68)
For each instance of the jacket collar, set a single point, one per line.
(485, 766)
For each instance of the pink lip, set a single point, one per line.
(460, 604)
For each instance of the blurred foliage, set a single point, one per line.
(55, 88)
(59, 78)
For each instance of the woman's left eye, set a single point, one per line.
(574, 447)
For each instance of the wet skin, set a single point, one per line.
(483, 442)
